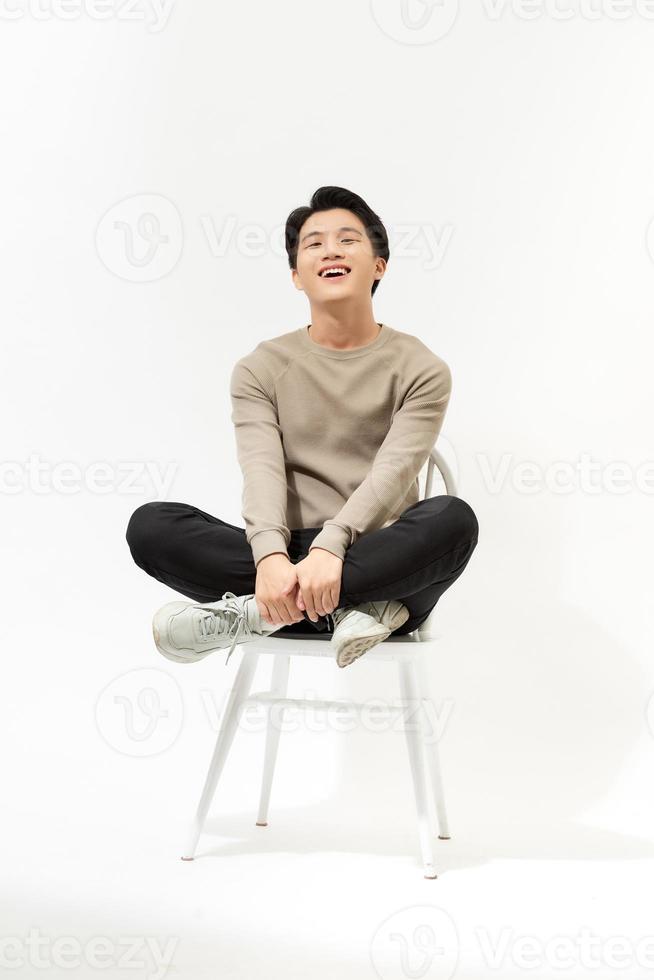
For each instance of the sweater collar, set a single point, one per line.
(309, 344)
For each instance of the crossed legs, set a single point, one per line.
(416, 559)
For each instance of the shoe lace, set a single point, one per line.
(372, 608)
(231, 621)
(377, 609)
(337, 615)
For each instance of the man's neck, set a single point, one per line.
(343, 332)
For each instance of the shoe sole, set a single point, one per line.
(159, 627)
(357, 645)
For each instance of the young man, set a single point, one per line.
(333, 423)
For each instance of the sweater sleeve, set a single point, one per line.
(398, 461)
(261, 458)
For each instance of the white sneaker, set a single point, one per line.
(357, 628)
(188, 631)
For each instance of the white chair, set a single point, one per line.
(407, 651)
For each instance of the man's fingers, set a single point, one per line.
(280, 613)
(311, 611)
(327, 601)
(320, 605)
(293, 614)
(264, 612)
(283, 612)
(275, 617)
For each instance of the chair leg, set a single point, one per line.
(432, 754)
(278, 686)
(240, 690)
(410, 697)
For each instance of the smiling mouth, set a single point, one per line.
(337, 274)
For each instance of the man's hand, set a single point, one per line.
(319, 581)
(275, 590)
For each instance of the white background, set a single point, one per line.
(520, 139)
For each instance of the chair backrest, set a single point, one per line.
(437, 461)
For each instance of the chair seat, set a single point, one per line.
(317, 645)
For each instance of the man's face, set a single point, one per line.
(336, 237)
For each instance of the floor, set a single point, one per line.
(544, 875)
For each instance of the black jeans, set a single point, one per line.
(415, 559)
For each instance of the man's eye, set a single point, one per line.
(343, 239)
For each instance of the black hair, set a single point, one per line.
(326, 198)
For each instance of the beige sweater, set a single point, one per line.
(333, 439)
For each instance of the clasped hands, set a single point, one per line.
(284, 591)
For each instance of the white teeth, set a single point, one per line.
(334, 272)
